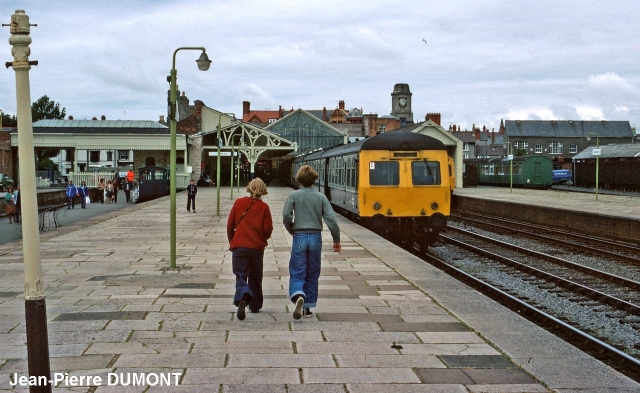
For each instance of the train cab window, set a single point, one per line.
(425, 173)
(384, 173)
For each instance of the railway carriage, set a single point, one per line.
(398, 183)
(528, 171)
(153, 182)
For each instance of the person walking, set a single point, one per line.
(18, 210)
(116, 187)
(109, 192)
(83, 192)
(249, 226)
(128, 186)
(302, 216)
(101, 187)
(72, 193)
(131, 176)
(10, 200)
(191, 192)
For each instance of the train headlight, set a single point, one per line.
(377, 206)
(434, 205)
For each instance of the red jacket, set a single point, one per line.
(254, 229)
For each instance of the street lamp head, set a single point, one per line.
(203, 62)
(588, 137)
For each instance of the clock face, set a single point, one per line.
(402, 101)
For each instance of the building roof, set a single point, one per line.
(625, 150)
(567, 128)
(100, 127)
(465, 136)
(260, 116)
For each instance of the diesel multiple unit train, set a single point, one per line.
(399, 184)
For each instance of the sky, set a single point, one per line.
(473, 61)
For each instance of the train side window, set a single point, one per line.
(425, 173)
(384, 173)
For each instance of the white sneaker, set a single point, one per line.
(297, 312)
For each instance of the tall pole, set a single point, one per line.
(35, 302)
(510, 167)
(218, 173)
(597, 164)
(232, 154)
(172, 154)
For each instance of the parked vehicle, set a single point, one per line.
(5, 182)
(562, 176)
(530, 171)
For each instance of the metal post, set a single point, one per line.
(172, 154)
(597, 165)
(510, 167)
(218, 173)
(35, 302)
(232, 153)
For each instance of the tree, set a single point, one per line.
(8, 121)
(45, 108)
(46, 163)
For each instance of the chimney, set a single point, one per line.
(476, 132)
(246, 107)
(341, 104)
(94, 118)
(324, 114)
(434, 117)
(280, 113)
(103, 117)
(161, 120)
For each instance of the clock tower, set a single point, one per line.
(401, 104)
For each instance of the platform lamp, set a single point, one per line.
(218, 165)
(203, 65)
(510, 157)
(596, 152)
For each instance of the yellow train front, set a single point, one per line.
(398, 183)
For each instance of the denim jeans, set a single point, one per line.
(247, 266)
(304, 267)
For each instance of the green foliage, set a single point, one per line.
(520, 152)
(46, 163)
(45, 108)
(9, 121)
(46, 153)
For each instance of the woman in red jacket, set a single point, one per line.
(248, 227)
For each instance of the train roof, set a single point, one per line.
(396, 140)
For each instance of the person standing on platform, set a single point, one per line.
(249, 226)
(16, 216)
(302, 215)
(101, 187)
(10, 200)
(131, 176)
(109, 192)
(116, 187)
(128, 186)
(72, 193)
(191, 192)
(83, 192)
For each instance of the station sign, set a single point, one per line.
(222, 154)
(596, 152)
(510, 156)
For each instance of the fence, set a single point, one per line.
(91, 178)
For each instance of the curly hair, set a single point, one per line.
(306, 176)
(257, 188)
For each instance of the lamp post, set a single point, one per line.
(596, 152)
(203, 65)
(510, 157)
(218, 167)
(34, 299)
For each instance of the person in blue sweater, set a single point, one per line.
(72, 193)
(302, 216)
(83, 192)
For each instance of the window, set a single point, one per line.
(425, 173)
(521, 145)
(538, 148)
(465, 146)
(94, 156)
(272, 120)
(384, 173)
(124, 154)
(573, 148)
(109, 156)
(381, 128)
(555, 147)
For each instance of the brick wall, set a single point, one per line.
(614, 228)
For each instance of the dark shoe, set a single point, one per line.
(194, 212)
(297, 312)
(241, 312)
(254, 312)
(306, 313)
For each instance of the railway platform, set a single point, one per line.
(385, 321)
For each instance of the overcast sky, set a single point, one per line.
(483, 60)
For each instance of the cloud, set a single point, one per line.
(610, 80)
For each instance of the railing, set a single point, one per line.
(91, 178)
(49, 218)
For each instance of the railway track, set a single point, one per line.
(594, 309)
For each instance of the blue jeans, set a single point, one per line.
(247, 266)
(304, 267)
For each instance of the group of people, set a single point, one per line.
(109, 191)
(12, 204)
(249, 226)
